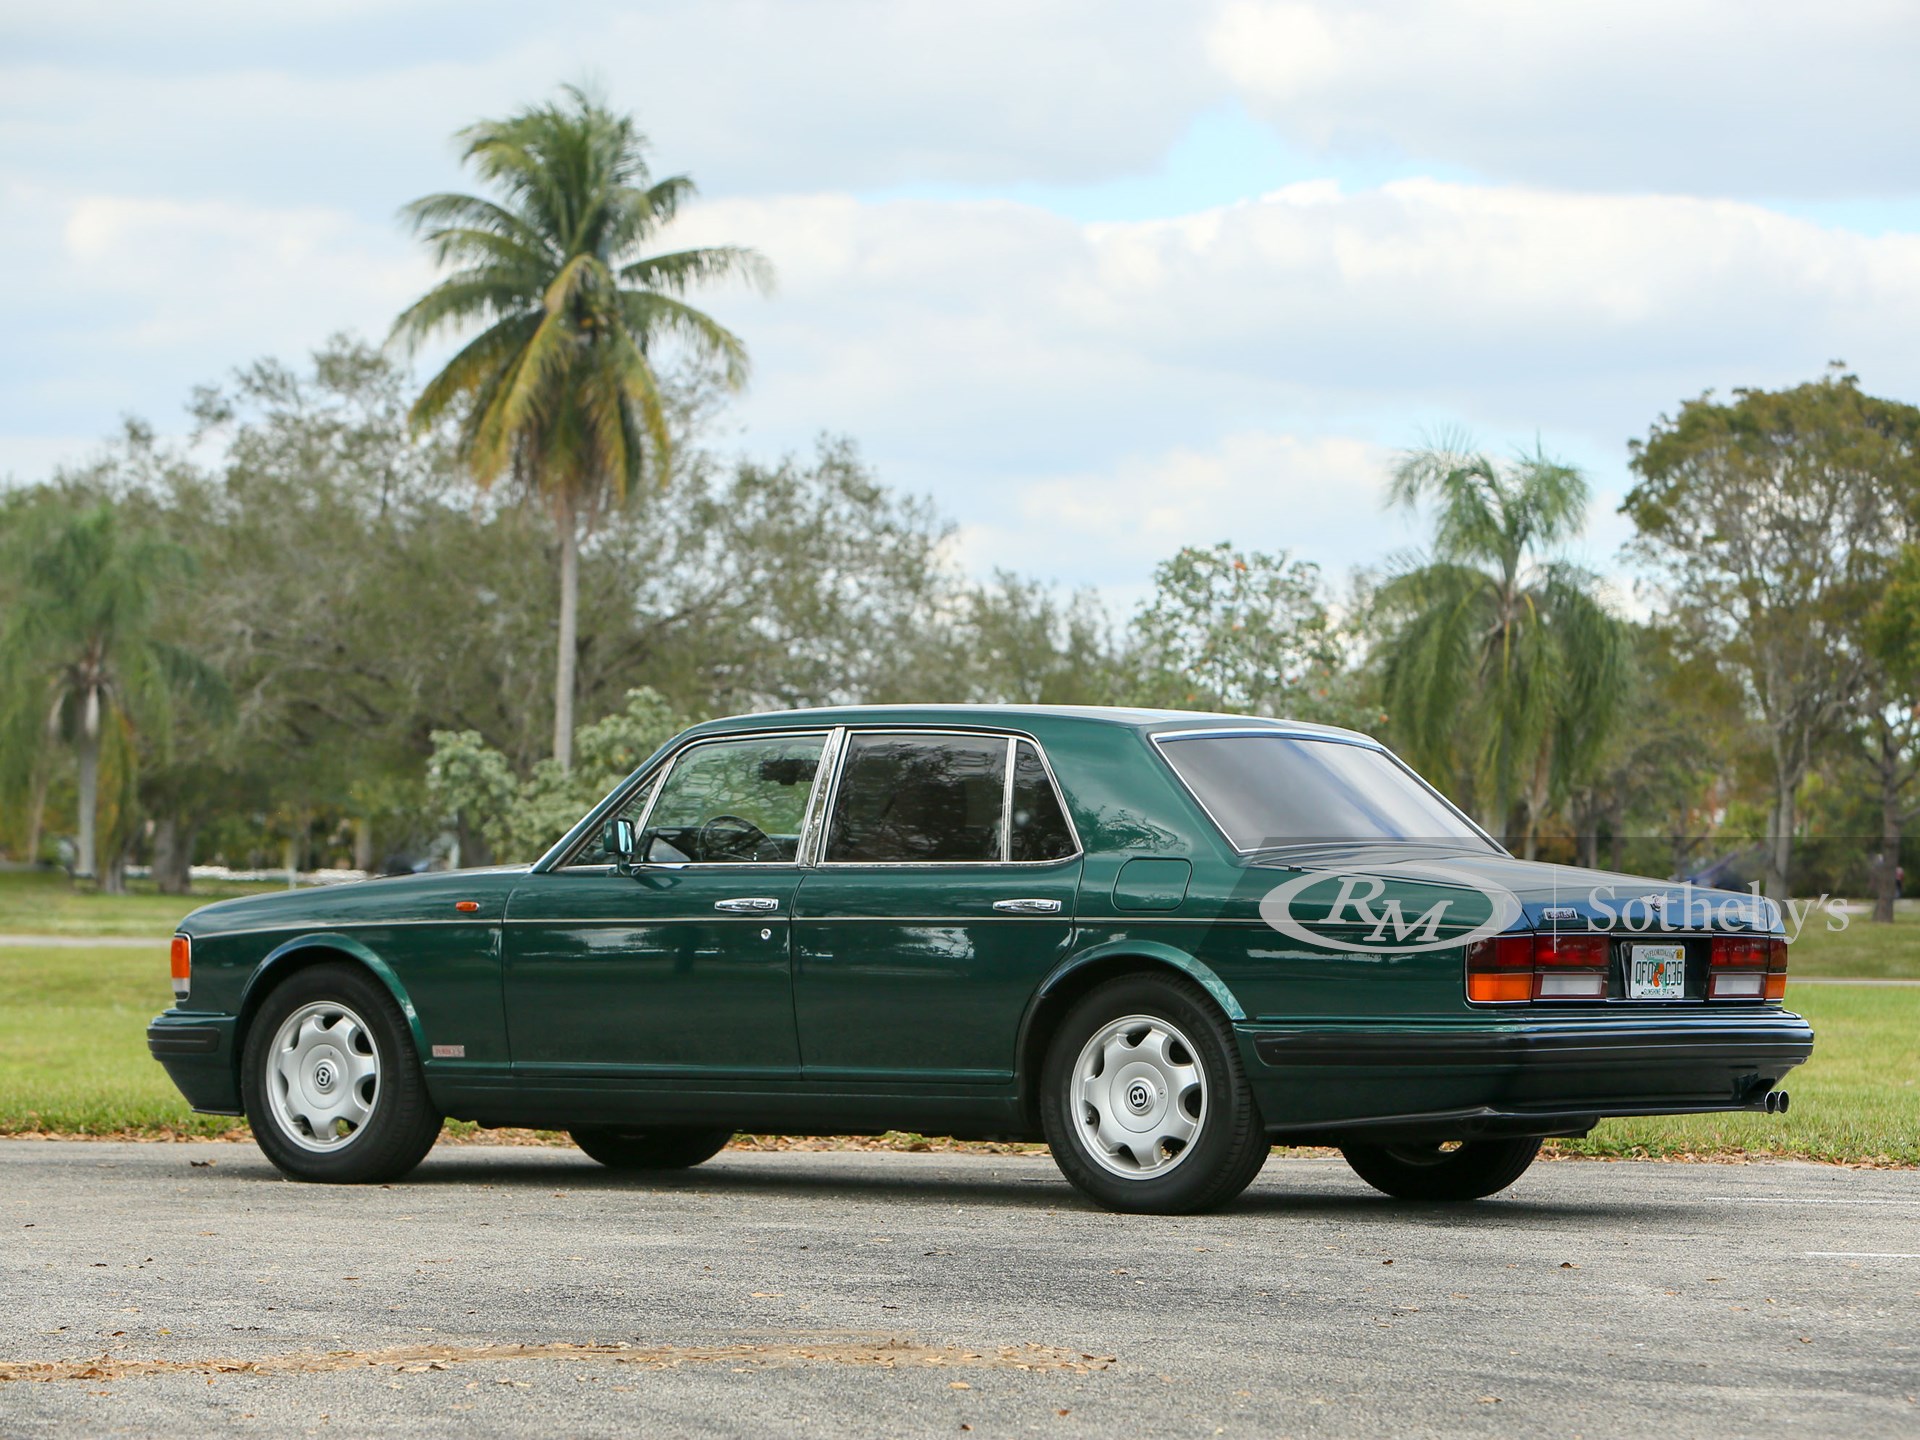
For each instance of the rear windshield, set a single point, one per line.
(1265, 790)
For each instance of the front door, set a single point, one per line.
(944, 895)
(682, 968)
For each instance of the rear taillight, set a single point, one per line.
(181, 963)
(1508, 968)
(1748, 967)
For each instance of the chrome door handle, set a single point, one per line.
(1027, 907)
(748, 905)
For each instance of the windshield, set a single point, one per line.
(1266, 790)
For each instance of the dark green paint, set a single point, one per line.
(877, 996)
(1152, 884)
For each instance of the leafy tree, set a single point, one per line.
(473, 784)
(1771, 519)
(1661, 782)
(1499, 663)
(1239, 631)
(80, 663)
(1892, 722)
(1016, 641)
(559, 390)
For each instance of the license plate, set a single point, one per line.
(1657, 972)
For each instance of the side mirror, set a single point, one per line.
(617, 839)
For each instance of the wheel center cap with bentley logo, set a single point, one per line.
(1139, 1095)
(325, 1073)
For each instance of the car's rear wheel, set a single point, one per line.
(1144, 1101)
(1443, 1170)
(331, 1082)
(661, 1147)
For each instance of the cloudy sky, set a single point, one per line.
(1103, 277)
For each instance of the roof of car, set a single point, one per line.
(1132, 717)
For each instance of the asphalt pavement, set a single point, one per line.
(173, 1289)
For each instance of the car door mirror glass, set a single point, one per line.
(617, 839)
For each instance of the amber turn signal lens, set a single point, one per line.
(1777, 986)
(1510, 985)
(180, 962)
(466, 906)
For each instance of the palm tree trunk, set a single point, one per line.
(563, 680)
(88, 746)
(36, 814)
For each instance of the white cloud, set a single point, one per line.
(357, 107)
(186, 193)
(1006, 359)
(130, 301)
(1319, 498)
(1749, 97)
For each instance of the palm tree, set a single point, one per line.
(1502, 669)
(558, 390)
(79, 662)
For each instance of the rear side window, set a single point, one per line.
(929, 799)
(1039, 830)
(1271, 790)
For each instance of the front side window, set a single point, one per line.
(592, 851)
(1266, 790)
(929, 799)
(734, 801)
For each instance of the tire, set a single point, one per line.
(332, 1035)
(667, 1147)
(1144, 1101)
(1475, 1170)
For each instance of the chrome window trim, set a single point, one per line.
(1006, 801)
(813, 829)
(665, 771)
(1359, 742)
(1014, 737)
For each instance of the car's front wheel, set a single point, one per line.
(1443, 1170)
(332, 1083)
(1144, 1101)
(662, 1147)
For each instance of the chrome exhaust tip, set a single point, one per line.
(1777, 1102)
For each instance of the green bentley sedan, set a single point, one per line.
(1162, 942)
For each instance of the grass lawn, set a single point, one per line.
(42, 902)
(73, 1060)
(1863, 950)
(73, 1045)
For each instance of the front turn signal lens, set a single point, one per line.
(180, 963)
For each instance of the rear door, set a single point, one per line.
(944, 893)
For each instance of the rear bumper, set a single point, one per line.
(196, 1051)
(1517, 1075)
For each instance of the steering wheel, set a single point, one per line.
(729, 837)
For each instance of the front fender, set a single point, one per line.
(279, 960)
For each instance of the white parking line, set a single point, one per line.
(1803, 1200)
(1861, 1255)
